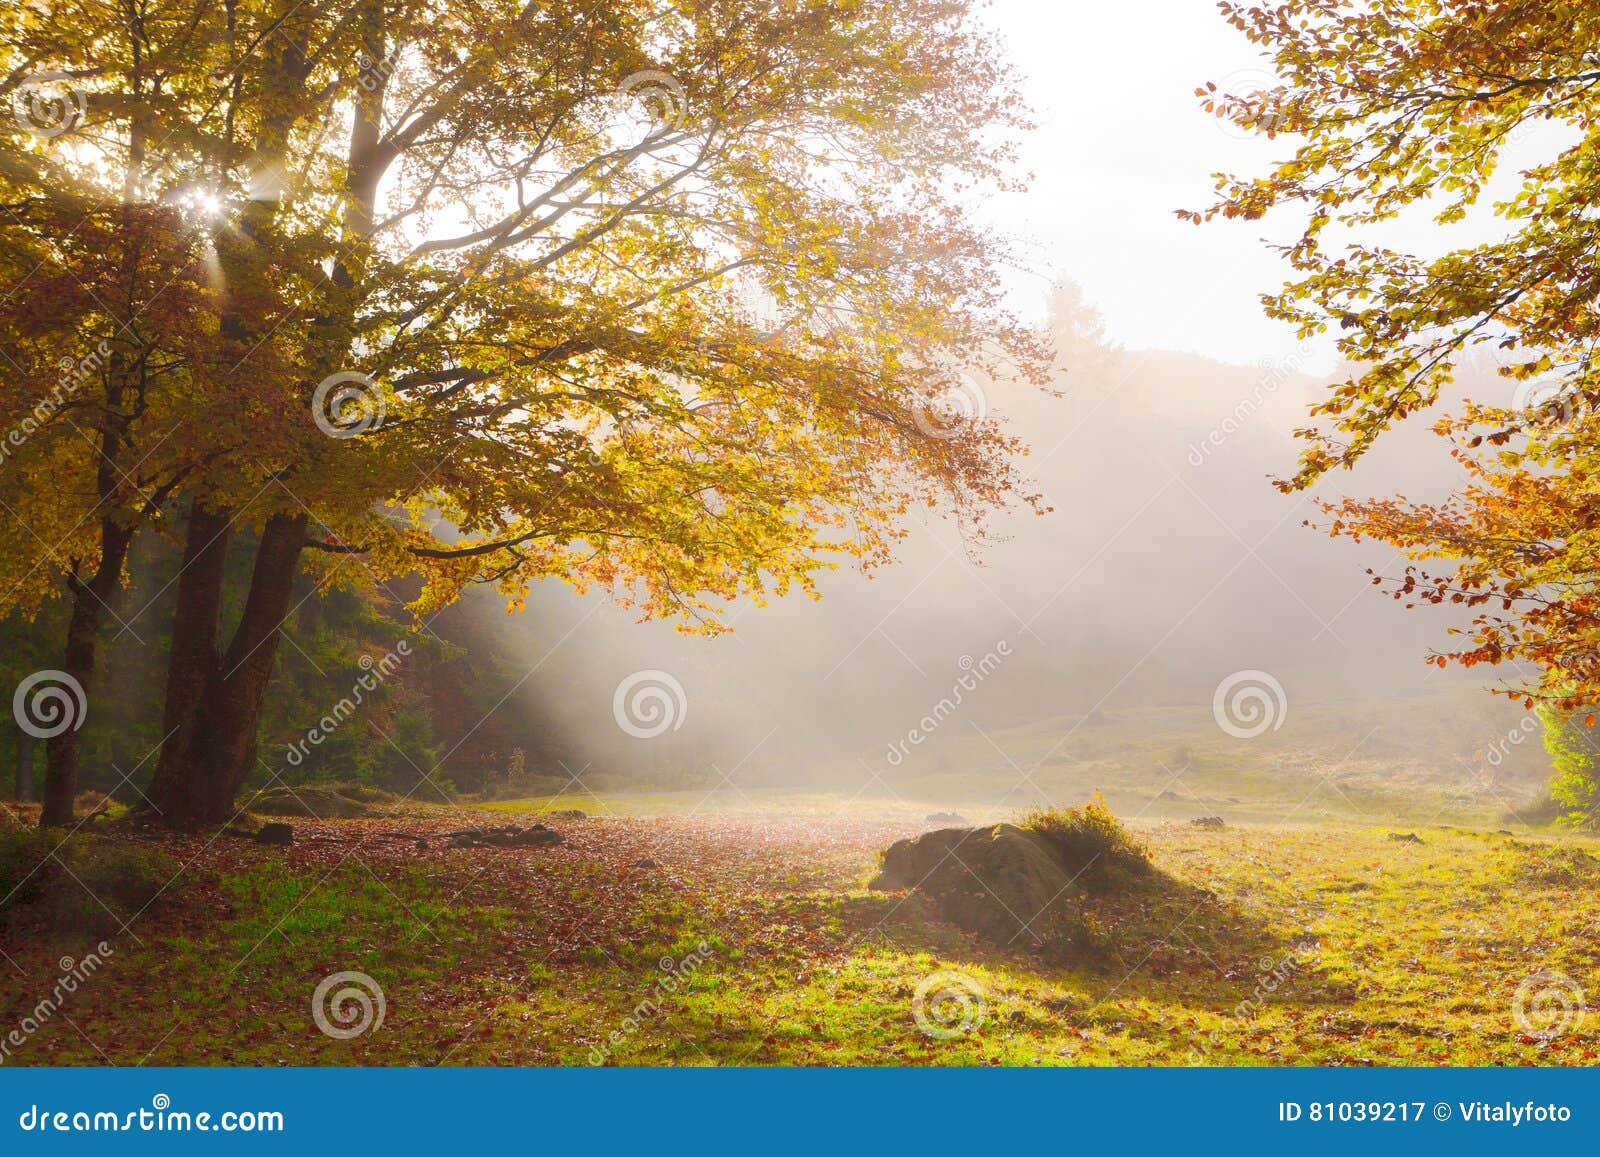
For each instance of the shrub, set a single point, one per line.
(80, 885)
(1089, 838)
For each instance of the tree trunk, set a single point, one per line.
(77, 662)
(24, 766)
(192, 656)
(198, 778)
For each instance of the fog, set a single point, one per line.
(1168, 563)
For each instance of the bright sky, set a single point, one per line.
(1122, 142)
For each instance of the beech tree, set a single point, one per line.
(1402, 106)
(682, 301)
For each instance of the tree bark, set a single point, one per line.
(24, 767)
(192, 655)
(77, 662)
(214, 700)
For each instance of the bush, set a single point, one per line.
(80, 885)
(1089, 837)
(1575, 758)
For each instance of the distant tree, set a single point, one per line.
(673, 299)
(1575, 757)
(1399, 106)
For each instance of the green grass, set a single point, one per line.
(1305, 944)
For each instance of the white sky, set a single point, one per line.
(1121, 143)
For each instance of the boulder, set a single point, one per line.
(278, 835)
(1001, 882)
(509, 836)
(1209, 822)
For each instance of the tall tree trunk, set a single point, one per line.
(89, 597)
(192, 655)
(198, 778)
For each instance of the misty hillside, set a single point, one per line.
(1168, 562)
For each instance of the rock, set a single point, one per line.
(570, 813)
(1000, 882)
(1209, 822)
(309, 802)
(278, 835)
(509, 836)
(1405, 837)
(946, 818)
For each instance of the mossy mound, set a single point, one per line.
(327, 801)
(1020, 885)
